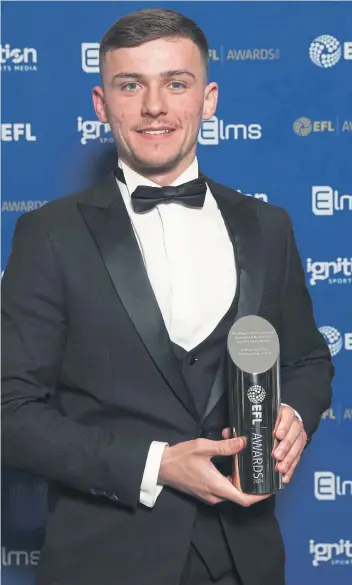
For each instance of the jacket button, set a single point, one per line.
(205, 435)
(191, 359)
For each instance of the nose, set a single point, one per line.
(154, 103)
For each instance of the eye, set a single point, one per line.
(131, 86)
(178, 85)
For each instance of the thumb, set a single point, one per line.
(229, 446)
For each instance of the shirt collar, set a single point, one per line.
(134, 179)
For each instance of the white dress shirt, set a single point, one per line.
(189, 259)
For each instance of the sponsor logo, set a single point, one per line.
(16, 132)
(211, 132)
(338, 271)
(326, 51)
(90, 57)
(327, 486)
(92, 130)
(326, 200)
(261, 196)
(221, 54)
(12, 59)
(21, 206)
(214, 130)
(10, 558)
(304, 126)
(338, 414)
(337, 553)
(335, 340)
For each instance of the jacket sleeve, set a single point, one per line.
(306, 368)
(36, 437)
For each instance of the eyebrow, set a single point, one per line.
(166, 74)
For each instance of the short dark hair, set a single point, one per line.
(149, 24)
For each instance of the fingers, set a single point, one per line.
(225, 448)
(288, 475)
(296, 451)
(284, 422)
(246, 500)
(286, 445)
(225, 490)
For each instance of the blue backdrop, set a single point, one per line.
(283, 133)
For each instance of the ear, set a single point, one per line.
(211, 95)
(99, 104)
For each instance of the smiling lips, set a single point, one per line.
(161, 131)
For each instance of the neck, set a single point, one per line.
(158, 176)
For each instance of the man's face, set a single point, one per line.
(155, 97)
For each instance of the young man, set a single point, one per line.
(118, 301)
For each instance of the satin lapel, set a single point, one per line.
(242, 221)
(244, 230)
(112, 232)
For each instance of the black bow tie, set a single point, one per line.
(191, 194)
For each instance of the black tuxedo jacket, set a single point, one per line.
(90, 379)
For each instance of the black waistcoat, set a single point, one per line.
(199, 368)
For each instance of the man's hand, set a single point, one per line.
(292, 436)
(290, 439)
(187, 467)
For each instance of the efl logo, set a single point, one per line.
(214, 130)
(326, 200)
(327, 486)
(16, 132)
(337, 553)
(304, 126)
(338, 271)
(325, 51)
(335, 340)
(90, 57)
(341, 414)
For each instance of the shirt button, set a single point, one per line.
(191, 359)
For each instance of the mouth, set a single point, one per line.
(155, 132)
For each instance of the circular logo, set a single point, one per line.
(256, 394)
(333, 338)
(303, 126)
(325, 51)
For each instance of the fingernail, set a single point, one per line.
(279, 454)
(280, 434)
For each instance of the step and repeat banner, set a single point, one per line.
(282, 133)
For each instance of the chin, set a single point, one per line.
(158, 163)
